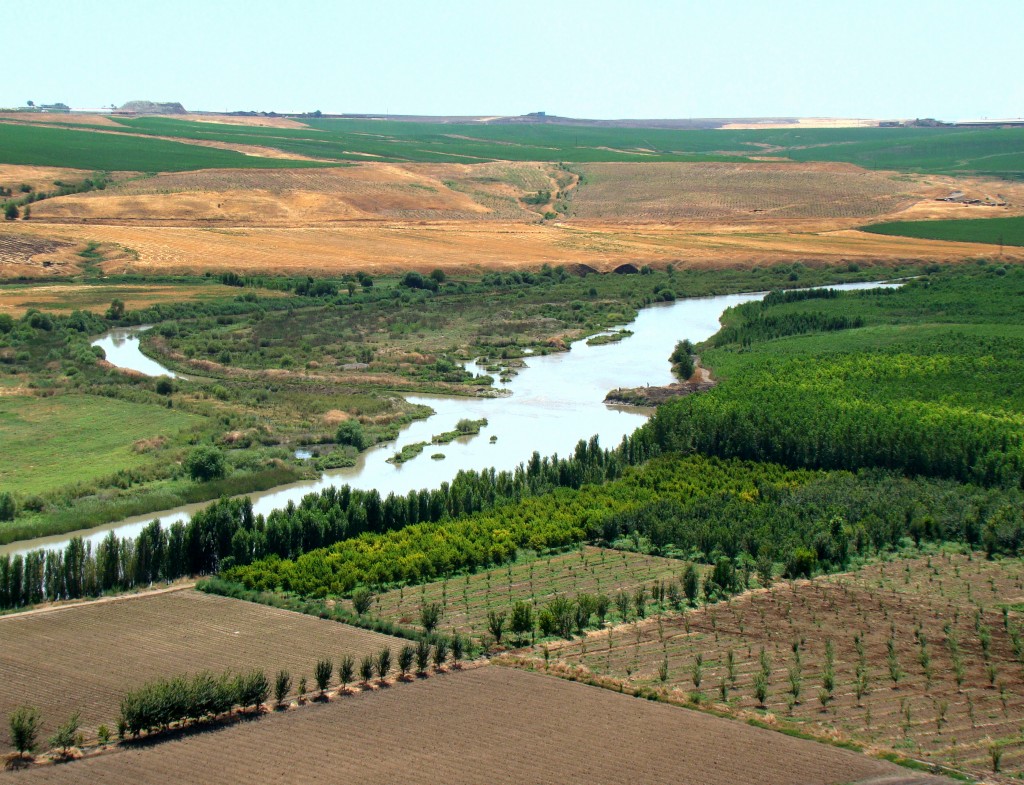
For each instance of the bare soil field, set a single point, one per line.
(465, 600)
(487, 724)
(760, 192)
(85, 657)
(942, 614)
(60, 117)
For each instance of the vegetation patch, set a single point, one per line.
(995, 231)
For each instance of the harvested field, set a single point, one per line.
(941, 613)
(759, 192)
(465, 246)
(490, 725)
(310, 196)
(19, 251)
(86, 656)
(465, 600)
(61, 118)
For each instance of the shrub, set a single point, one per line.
(422, 656)
(440, 652)
(351, 433)
(496, 624)
(366, 669)
(322, 674)
(383, 663)
(282, 684)
(205, 463)
(346, 670)
(8, 507)
(362, 599)
(430, 615)
(25, 722)
(405, 658)
(68, 735)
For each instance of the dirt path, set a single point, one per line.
(71, 605)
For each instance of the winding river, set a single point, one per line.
(554, 402)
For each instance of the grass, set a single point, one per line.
(948, 150)
(83, 149)
(997, 231)
(79, 436)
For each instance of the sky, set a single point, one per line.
(578, 58)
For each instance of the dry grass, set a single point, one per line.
(378, 247)
(743, 192)
(39, 118)
(383, 217)
(66, 297)
(930, 718)
(487, 724)
(85, 657)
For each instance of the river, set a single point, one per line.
(551, 404)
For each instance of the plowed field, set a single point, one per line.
(85, 657)
(490, 725)
(945, 606)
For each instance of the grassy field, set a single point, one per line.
(49, 440)
(497, 725)
(466, 600)
(997, 231)
(95, 151)
(946, 150)
(941, 612)
(86, 657)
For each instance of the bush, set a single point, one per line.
(8, 507)
(362, 599)
(351, 433)
(67, 735)
(405, 658)
(346, 670)
(322, 674)
(25, 722)
(282, 684)
(206, 463)
(430, 615)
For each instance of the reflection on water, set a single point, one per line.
(121, 347)
(553, 402)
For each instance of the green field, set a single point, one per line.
(112, 152)
(997, 231)
(76, 436)
(998, 152)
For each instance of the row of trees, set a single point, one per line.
(158, 704)
(227, 534)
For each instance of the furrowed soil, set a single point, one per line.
(85, 657)
(486, 724)
(465, 600)
(939, 605)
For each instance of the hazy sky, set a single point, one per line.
(951, 59)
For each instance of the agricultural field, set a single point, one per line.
(997, 231)
(747, 193)
(952, 688)
(485, 724)
(466, 600)
(96, 150)
(85, 657)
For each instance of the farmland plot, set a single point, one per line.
(747, 192)
(86, 657)
(952, 688)
(486, 724)
(465, 600)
